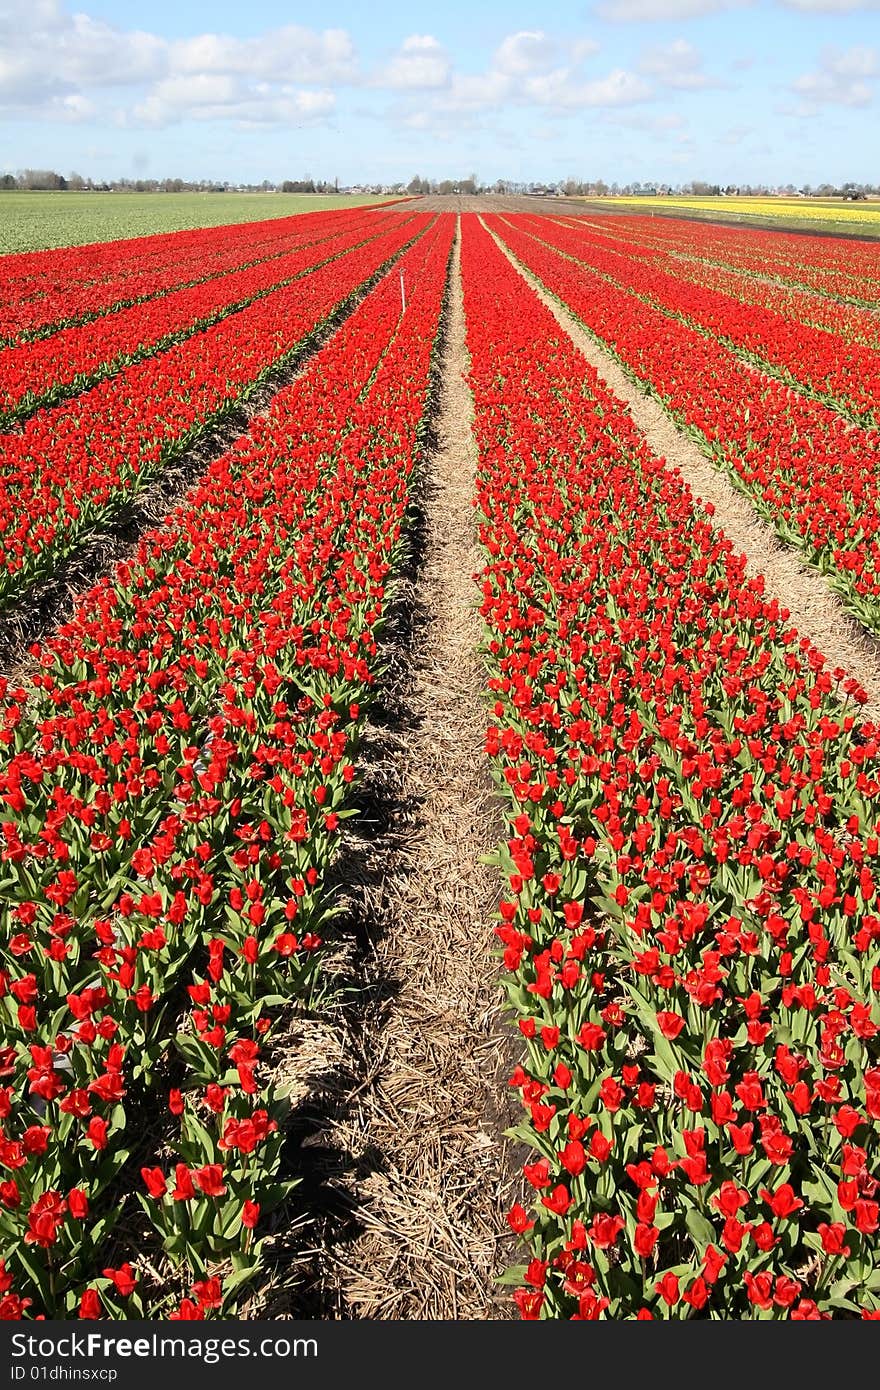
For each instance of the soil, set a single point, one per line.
(405, 1134)
(494, 202)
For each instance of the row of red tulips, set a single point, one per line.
(843, 375)
(691, 871)
(74, 466)
(43, 290)
(840, 268)
(792, 303)
(811, 476)
(41, 373)
(174, 784)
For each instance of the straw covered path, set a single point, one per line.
(422, 1168)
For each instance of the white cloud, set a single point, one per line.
(678, 64)
(93, 53)
(638, 11)
(53, 63)
(843, 78)
(35, 15)
(831, 6)
(77, 107)
(526, 52)
(421, 62)
(530, 68)
(559, 89)
(219, 97)
(291, 54)
(477, 93)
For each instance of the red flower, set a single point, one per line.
(865, 1216)
(668, 1289)
(591, 1307)
(44, 1219)
(286, 944)
(645, 1239)
(806, 1311)
(210, 1179)
(208, 1292)
(605, 1230)
(729, 1199)
(785, 1291)
(78, 1203)
(155, 1182)
(96, 1132)
(187, 1312)
(558, 1201)
(538, 1173)
(183, 1186)
(759, 1288)
(697, 1293)
(529, 1302)
(573, 1157)
(90, 1305)
(833, 1236)
(123, 1279)
(670, 1024)
(783, 1201)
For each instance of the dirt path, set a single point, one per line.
(491, 202)
(426, 1179)
(815, 610)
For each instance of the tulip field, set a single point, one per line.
(687, 912)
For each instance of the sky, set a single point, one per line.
(730, 91)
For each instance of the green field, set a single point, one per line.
(40, 221)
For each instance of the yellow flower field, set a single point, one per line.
(848, 215)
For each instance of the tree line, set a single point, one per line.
(48, 180)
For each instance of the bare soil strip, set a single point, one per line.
(418, 1174)
(492, 202)
(815, 610)
(433, 1214)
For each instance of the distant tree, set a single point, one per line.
(42, 180)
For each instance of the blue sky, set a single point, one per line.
(726, 90)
